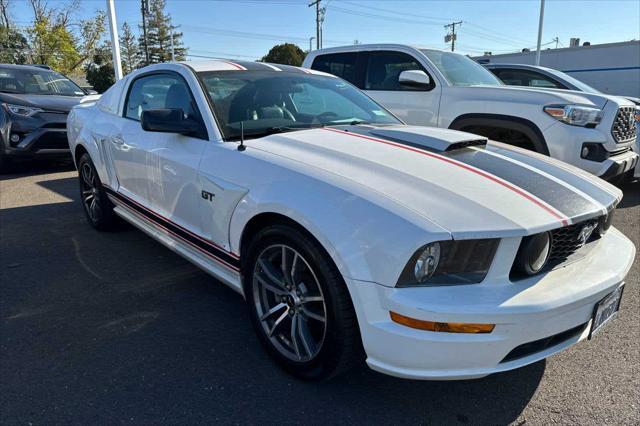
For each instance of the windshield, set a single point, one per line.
(265, 102)
(37, 82)
(460, 70)
(583, 87)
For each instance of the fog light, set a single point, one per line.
(534, 253)
(15, 138)
(585, 152)
(443, 327)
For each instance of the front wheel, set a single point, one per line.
(299, 304)
(95, 203)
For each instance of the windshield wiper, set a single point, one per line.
(356, 122)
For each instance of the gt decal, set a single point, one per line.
(207, 195)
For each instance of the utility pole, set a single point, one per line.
(144, 8)
(310, 43)
(115, 43)
(318, 22)
(540, 32)
(452, 37)
(557, 40)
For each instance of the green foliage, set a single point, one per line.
(14, 48)
(100, 72)
(159, 30)
(128, 50)
(286, 54)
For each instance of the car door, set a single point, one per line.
(166, 170)
(414, 105)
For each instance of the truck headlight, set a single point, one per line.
(23, 110)
(576, 115)
(449, 262)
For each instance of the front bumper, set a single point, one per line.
(44, 135)
(566, 142)
(559, 301)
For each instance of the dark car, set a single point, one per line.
(34, 103)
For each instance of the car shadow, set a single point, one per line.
(631, 196)
(39, 167)
(114, 326)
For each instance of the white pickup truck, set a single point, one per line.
(594, 132)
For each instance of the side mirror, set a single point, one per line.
(168, 120)
(414, 78)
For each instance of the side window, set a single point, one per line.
(514, 77)
(158, 91)
(384, 68)
(341, 65)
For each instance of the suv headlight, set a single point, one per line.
(575, 115)
(449, 262)
(23, 110)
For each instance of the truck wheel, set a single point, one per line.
(96, 205)
(299, 304)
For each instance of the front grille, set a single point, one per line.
(567, 240)
(536, 346)
(624, 125)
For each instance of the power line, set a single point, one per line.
(452, 37)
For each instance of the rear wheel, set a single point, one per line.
(299, 304)
(95, 203)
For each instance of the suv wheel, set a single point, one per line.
(299, 304)
(96, 205)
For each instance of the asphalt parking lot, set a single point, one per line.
(111, 328)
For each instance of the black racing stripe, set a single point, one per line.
(253, 66)
(173, 228)
(559, 196)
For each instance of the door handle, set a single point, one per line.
(117, 140)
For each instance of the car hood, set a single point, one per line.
(542, 96)
(46, 102)
(450, 178)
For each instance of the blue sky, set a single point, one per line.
(247, 29)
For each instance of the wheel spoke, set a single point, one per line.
(273, 311)
(277, 323)
(307, 341)
(312, 315)
(313, 299)
(88, 199)
(294, 338)
(87, 175)
(270, 275)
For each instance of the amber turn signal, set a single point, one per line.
(445, 327)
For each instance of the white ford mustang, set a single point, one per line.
(437, 254)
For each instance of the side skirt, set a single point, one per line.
(215, 268)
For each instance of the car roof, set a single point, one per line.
(519, 66)
(27, 67)
(375, 46)
(233, 65)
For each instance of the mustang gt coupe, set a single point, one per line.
(435, 254)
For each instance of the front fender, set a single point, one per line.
(367, 242)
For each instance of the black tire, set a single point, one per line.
(96, 205)
(340, 347)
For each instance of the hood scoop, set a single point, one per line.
(439, 140)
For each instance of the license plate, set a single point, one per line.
(606, 310)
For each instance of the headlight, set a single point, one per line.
(25, 111)
(575, 115)
(449, 262)
(533, 253)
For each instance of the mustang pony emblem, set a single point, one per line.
(585, 233)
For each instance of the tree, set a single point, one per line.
(54, 44)
(128, 50)
(100, 72)
(14, 48)
(286, 54)
(159, 34)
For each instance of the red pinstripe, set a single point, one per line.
(549, 209)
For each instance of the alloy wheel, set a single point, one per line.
(90, 192)
(289, 302)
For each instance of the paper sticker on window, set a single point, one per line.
(379, 112)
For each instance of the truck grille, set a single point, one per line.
(624, 125)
